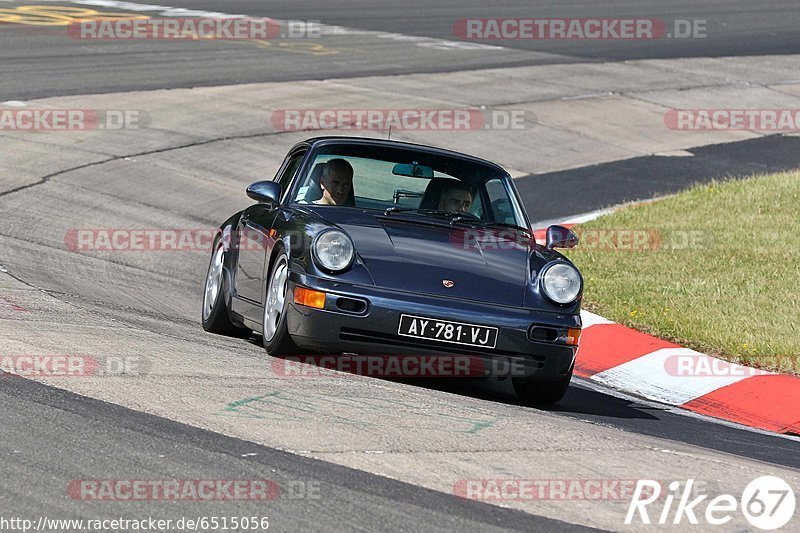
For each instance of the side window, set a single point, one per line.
(285, 176)
(501, 208)
(477, 205)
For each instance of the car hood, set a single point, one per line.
(412, 253)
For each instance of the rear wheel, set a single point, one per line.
(275, 331)
(541, 391)
(215, 310)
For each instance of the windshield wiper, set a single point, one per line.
(454, 217)
(398, 209)
(507, 225)
(403, 209)
(490, 223)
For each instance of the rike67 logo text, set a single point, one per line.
(768, 503)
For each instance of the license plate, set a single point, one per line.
(447, 331)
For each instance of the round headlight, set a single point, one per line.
(334, 250)
(561, 283)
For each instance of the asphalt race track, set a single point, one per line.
(39, 62)
(349, 453)
(173, 450)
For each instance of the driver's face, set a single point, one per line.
(455, 200)
(336, 187)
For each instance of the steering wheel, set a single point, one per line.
(500, 207)
(465, 214)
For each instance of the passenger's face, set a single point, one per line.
(455, 200)
(336, 187)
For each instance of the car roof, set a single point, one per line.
(370, 141)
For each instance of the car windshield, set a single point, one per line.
(402, 180)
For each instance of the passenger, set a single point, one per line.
(336, 182)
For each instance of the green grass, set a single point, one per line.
(724, 278)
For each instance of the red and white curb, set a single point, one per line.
(634, 362)
(622, 358)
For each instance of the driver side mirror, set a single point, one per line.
(561, 237)
(268, 192)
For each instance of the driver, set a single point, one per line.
(336, 182)
(456, 198)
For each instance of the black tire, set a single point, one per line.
(541, 391)
(281, 342)
(214, 315)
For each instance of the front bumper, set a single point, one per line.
(373, 329)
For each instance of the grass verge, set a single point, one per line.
(715, 268)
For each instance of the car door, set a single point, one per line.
(255, 243)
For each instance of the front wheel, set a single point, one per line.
(275, 331)
(215, 310)
(540, 391)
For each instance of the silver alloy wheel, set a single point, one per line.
(213, 282)
(276, 297)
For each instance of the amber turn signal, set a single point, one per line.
(573, 336)
(309, 298)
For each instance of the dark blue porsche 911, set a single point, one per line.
(366, 246)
